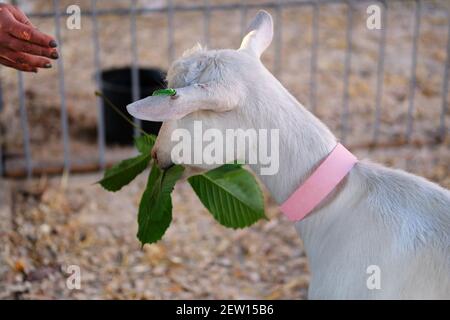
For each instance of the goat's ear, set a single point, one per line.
(259, 35)
(187, 100)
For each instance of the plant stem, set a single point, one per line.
(120, 113)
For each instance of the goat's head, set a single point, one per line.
(213, 86)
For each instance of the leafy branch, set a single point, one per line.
(230, 193)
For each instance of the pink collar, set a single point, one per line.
(320, 184)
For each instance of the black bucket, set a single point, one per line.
(117, 87)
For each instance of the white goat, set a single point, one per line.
(376, 216)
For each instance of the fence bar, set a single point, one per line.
(64, 122)
(135, 81)
(85, 166)
(24, 125)
(278, 40)
(413, 79)
(314, 53)
(2, 142)
(170, 13)
(347, 69)
(217, 7)
(442, 127)
(380, 72)
(244, 23)
(206, 19)
(98, 82)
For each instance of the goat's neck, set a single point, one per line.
(304, 142)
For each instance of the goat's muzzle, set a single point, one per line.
(162, 164)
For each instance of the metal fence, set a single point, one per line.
(207, 7)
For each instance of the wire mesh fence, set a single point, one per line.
(416, 9)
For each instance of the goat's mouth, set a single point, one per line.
(162, 164)
(166, 166)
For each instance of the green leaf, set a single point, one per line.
(124, 172)
(144, 143)
(231, 194)
(164, 92)
(155, 208)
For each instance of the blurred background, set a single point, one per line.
(383, 92)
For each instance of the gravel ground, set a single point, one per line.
(82, 225)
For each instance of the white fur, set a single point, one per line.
(376, 216)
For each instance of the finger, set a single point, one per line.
(31, 48)
(27, 33)
(20, 16)
(24, 58)
(17, 66)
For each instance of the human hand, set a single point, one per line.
(22, 45)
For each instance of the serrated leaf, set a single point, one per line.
(231, 194)
(155, 208)
(144, 143)
(124, 172)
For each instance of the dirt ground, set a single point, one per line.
(80, 224)
(48, 224)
